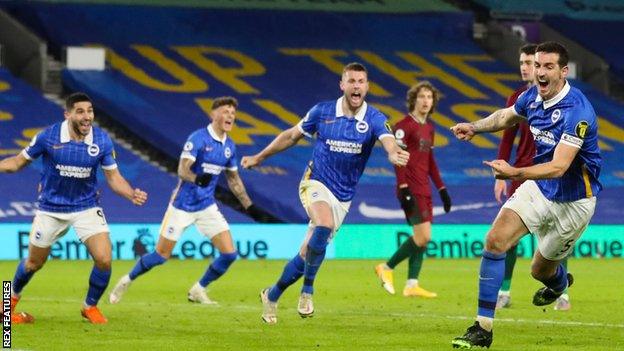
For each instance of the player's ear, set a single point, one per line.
(564, 71)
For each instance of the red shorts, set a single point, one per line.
(421, 211)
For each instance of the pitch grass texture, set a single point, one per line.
(353, 312)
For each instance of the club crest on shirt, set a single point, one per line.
(555, 115)
(399, 134)
(361, 126)
(581, 129)
(227, 152)
(93, 150)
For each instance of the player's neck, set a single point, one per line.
(347, 110)
(218, 131)
(418, 117)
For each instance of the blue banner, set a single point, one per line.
(171, 62)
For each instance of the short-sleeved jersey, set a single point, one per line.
(567, 118)
(69, 175)
(343, 144)
(418, 139)
(211, 155)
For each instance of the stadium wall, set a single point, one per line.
(280, 241)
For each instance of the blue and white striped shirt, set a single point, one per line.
(567, 118)
(68, 179)
(343, 144)
(211, 155)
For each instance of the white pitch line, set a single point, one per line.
(258, 307)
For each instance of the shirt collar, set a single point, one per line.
(552, 102)
(359, 115)
(214, 135)
(65, 137)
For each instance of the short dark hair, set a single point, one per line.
(412, 94)
(527, 49)
(224, 101)
(74, 98)
(355, 66)
(557, 48)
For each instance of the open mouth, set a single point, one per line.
(356, 97)
(228, 123)
(543, 84)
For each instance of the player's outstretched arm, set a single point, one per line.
(498, 120)
(562, 159)
(283, 141)
(13, 164)
(121, 187)
(396, 155)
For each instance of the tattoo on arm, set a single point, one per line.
(238, 188)
(498, 120)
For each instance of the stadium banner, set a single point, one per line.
(281, 241)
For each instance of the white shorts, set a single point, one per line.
(311, 191)
(557, 225)
(48, 227)
(208, 221)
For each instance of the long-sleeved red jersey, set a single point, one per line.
(418, 137)
(526, 146)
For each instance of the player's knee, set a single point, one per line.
(541, 273)
(422, 241)
(495, 244)
(166, 254)
(103, 263)
(33, 265)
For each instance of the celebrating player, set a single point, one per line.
(72, 151)
(206, 153)
(415, 133)
(558, 198)
(346, 131)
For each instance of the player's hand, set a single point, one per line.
(248, 162)
(139, 197)
(502, 169)
(446, 199)
(203, 179)
(399, 157)
(255, 213)
(463, 131)
(500, 189)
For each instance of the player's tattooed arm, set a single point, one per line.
(238, 188)
(499, 120)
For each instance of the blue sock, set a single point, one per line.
(218, 267)
(98, 281)
(21, 277)
(292, 272)
(559, 281)
(490, 280)
(314, 257)
(145, 263)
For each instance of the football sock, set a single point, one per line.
(510, 262)
(558, 282)
(145, 263)
(415, 261)
(404, 251)
(292, 272)
(564, 262)
(21, 277)
(314, 257)
(218, 268)
(98, 281)
(490, 279)
(411, 283)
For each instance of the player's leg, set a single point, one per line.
(421, 237)
(45, 230)
(504, 294)
(211, 223)
(569, 221)
(322, 216)
(173, 225)
(99, 247)
(506, 230)
(563, 302)
(292, 271)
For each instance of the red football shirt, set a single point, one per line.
(418, 137)
(526, 145)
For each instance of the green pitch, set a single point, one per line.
(352, 311)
